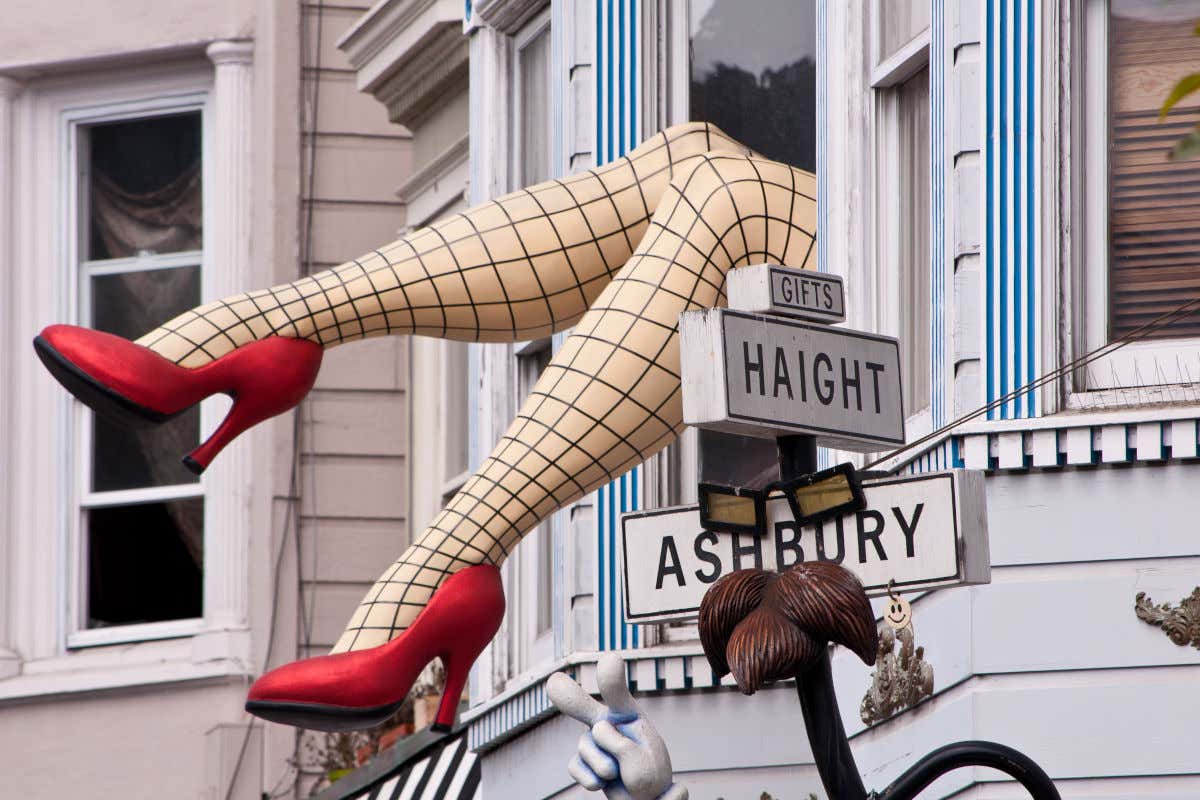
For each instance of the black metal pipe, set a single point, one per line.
(972, 754)
(830, 747)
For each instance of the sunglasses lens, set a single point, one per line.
(824, 496)
(731, 509)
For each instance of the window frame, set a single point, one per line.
(1086, 271)
(78, 635)
(537, 26)
(885, 77)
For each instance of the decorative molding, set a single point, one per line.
(899, 680)
(416, 191)
(1181, 624)
(507, 16)
(409, 54)
(1072, 444)
(425, 81)
(227, 269)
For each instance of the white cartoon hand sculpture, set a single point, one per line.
(621, 753)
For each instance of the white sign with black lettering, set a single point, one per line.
(922, 532)
(766, 376)
(772, 289)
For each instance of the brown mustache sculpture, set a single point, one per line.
(768, 626)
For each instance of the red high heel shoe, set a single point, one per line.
(361, 689)
(132, 385)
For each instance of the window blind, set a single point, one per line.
(1154, 203)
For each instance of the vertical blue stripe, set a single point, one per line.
(617, 130)
(1011, 160)
(1031, 370)
(989, 244)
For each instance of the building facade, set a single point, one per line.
(995, 190)
(154, 156)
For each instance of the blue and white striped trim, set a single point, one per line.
(618, 127)
(1011, 241)
(618, 130)
(1066, 445)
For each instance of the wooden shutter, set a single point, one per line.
(1154, 210)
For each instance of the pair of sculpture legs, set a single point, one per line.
(617, 252)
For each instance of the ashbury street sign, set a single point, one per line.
(762, 376)
(921, 532)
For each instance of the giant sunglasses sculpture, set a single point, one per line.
(617, 252)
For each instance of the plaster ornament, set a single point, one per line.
(615, 254)
(1181, 624)
(900, 680)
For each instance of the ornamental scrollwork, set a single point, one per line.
(1180, 623)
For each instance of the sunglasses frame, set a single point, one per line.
(857, 502)
(760, 509)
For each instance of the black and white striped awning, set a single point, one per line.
(426, 766)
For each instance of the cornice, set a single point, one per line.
(507, 16)
(436, 169)
(395, 33)
(439, 71)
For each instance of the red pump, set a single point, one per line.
(133, 385)
(361, 689)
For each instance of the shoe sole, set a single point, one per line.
(311, 716)
(96, 396)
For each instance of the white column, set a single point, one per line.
(227, 197)
(9, 89)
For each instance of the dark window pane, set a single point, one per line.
(754, 75)
(128, 305)
(1154, 201)
(144, 178)
(145, 563)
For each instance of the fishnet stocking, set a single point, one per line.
(610, 397)
(520, 267)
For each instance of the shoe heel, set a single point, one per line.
(457, 674)
(265, 378)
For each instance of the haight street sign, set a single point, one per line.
(772, 289)
(765, 376)
(923, 532)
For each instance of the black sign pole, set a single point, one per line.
(823, 721)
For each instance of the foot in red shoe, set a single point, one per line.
(132, 385)
(361, 689)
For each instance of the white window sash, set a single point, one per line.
(78, 635)
(1140, 373)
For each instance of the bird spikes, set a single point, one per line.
(767, 626)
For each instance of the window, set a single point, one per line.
(754, 75)
(900, 77)
(139, 230)
(532, 152)
(532, 612)
(1141, 253)
(454, 418)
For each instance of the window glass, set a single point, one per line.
(1154, 202)
(897, 23)
(140, 186)
(129, 304)
(754, 75)
(913, 226)
(144, 187)
(534, 115)
(529, 368)
(145, 563)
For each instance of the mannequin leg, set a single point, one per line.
(610, 397)
(519, 267)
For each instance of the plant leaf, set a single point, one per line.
(1187, 84)
(1188, 147)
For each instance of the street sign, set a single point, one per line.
(766, 376)
(772, 289)
(922, 532)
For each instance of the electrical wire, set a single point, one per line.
(1136, 334)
